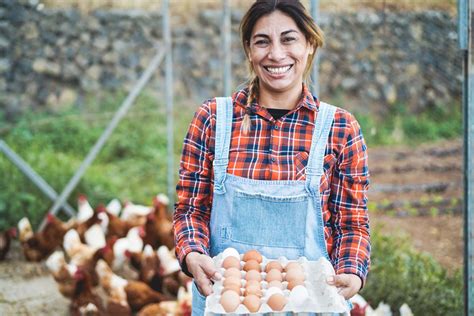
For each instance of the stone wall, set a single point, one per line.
(49, 58)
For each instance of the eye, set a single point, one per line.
(288, 39)
(261, 42)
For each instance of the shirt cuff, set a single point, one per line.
(350, 267)
(184, 251)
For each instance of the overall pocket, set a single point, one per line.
(269, 221)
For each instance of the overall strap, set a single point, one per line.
(315, 166)
(223, 133)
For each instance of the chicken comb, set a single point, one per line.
(79, 274)
(101, 208)
(50, 217)
(82, 197)
(128, 253)
(13, 232)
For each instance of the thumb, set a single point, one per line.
(339, 280)
(210, 270)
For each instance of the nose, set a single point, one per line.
(277, 52)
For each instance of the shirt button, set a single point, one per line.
(276, 127)
(272, 159)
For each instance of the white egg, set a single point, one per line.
(230, 252)
(298, 295)
(273, 290)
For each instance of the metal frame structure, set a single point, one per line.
(465, 31)
(60, 200)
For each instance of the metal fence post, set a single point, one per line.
(465, 44)
(315, 70)
(227, 54)
(169, 101)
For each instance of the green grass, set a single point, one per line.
(131, 166)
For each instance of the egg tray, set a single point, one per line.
(321, 297)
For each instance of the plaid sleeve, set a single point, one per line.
(192, 209)
(348, 201)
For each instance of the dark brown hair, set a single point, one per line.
(295, 10)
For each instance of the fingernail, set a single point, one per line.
(330, 279)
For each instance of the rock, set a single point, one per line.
(94, 72)
(4, 43)
(4, 65)
(390, 93)
(43, 66)
(349, 83)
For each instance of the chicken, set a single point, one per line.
(82, 227)
(181, 307)
(84, 209)
(5, 240)
(38, 246)
(135, 213)
(136, 293)
(84, 300)
(114, 207)
(173, 277)
(95, 237)
(148, 265)
(132, 243)
(159, 225)
(113, 285)
(116, 226)
(63, 273)
(78, 252)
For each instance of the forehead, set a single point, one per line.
(274, 23)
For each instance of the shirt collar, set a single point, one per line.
(307, 100)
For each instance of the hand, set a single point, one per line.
(348, 284)
(203, 270)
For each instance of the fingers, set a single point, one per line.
(203, 270)
(348, 284)
(210, 270)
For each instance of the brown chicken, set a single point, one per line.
(84, 300)
(116, 227)
(38, 246)
(147, 264)
(63, 273)
(5, 240)
(159, 225)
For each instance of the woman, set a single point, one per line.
(273, 168)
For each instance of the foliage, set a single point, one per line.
(399, 274)
(131, 166)
(401, 127)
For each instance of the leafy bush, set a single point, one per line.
(399, 274)
(131, 166)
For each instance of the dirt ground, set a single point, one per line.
(414, 191)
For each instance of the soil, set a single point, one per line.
(414, 191)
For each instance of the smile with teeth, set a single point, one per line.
(278, 70)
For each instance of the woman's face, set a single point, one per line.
(279, 52)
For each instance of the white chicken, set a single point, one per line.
(133, 242)
(135, 213)
(114, 207)
(85, 210)
(95, 237)
(168, 261)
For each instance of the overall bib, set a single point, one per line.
(277, 218)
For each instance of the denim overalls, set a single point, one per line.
(277, 218)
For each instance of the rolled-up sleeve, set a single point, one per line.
(348, 204)
(192, 209)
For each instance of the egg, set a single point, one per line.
(293, 265)
(230, 252)
(230, 301)
(295, 274)
(232, 287)
(253, 255)
(251, 265)
(277, 302)
(273, 275)
(252, 302)
(232, 281)
(253, 289)
(293, 283)
(299, 295)
(275, 283)
(273, 265)
(231, 262)
(232, 272)
(253, 275)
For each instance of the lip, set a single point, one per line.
(277, 75)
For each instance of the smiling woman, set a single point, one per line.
(273, 168)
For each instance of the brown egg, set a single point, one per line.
(232, 281)
(293, 265)
(273, 265)
(275, 283)
(293, 283)
(252, 282)
(277, 302)
(252, 265)
(230, 301)
(253, 290)
(253, 255)
(252, 302)
(231, 262)
(294, 274)
(232, 287)
(233, 272)
(253, 275)
(273, 275)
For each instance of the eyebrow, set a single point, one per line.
(282, 34)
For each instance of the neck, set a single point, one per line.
(284, 100)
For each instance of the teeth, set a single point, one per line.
(278, 70)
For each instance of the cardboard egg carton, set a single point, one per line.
(315, 296)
